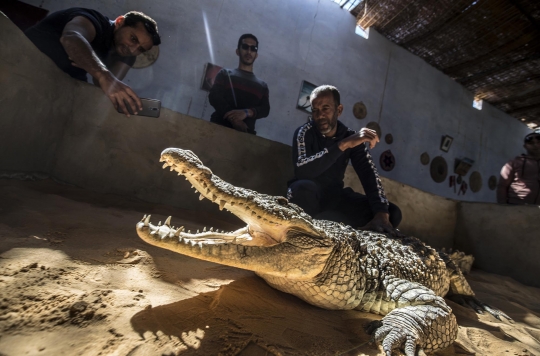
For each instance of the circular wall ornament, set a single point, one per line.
(475, 181)
(387, 160)
(147, 58)
(359, 110)
(389, 139)
(492, 182)
(438, 169)
(424, 158)
(375, 126)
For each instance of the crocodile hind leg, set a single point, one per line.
(462, 294)
(421, 321)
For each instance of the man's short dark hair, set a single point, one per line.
(132, 18)
(323, 89)
(247, 35)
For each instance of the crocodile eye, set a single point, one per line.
(282, 201)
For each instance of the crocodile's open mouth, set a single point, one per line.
(269, 219)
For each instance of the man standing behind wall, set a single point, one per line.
(519, 182)
(238, 96)
(81, 41)
(322, 149)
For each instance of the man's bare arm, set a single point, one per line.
(76, 38)
(119, 69)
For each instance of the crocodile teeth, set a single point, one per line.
(168, 221)
(180, 229)
(165, 165)
(147, 220)
(201, 197)
(221, 204)
(159, 223)
(204, 229)
(211, 229)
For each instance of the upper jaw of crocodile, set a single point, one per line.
(269, 219)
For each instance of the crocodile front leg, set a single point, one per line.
(420, 322)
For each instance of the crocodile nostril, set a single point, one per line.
(282, 201)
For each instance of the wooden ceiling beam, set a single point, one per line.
(524, 109)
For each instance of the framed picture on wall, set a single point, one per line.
(446, 142)
(303, 99)
(209, 75)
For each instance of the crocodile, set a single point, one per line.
(327, 264)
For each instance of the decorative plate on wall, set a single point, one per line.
(424, 158)
(438, 169)
(359, 110)
(492, 182)
(387, 160)
(475, 181)
(147, 58)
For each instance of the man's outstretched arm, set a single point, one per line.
(76, 38)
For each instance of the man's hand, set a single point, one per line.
(235, 115)
(236, 118)
(364, 135)
(381, 223)
(120, 94)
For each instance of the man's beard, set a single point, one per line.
(331, 124)
(246, 63)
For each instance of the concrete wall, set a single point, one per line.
(32, 117)
(314, 40)
(504, 239)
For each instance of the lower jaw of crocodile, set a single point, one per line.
(237, 249)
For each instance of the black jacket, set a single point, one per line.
(318, 158)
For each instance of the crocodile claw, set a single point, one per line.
(414, 330)
(478, 306)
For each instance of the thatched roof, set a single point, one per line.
(491, 47)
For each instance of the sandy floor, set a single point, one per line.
(76, 280)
